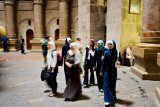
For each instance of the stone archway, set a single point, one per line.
(29, 37)
(56, 34)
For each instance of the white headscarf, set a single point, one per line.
(108, 42)
(77, 58)
(68, 39)
(52, 47)
(49, 53)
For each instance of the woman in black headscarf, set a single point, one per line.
(109, 73)
(65, 48)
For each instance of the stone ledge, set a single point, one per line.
(157, 92)
(36, 50)
(144, 75)
(147, 53)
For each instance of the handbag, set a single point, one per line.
(45, 74)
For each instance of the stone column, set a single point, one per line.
(64, 18)
(146, 52)
(63, 22)
(38, 26)
(11, 24)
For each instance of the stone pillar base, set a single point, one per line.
(13, 45)
(59, 43)
(36, 45)
(145, 75)
(146, 66)
(157, 92)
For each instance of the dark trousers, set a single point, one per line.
(87, 67)
(99, 79)
(66, 73)
(52, 80)
(5, 47)
(22, 49)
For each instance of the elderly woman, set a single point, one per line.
(109, 73)
(73, 89)
(65, 48)
(52, 66)
(99, 51)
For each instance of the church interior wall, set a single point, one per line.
(131, 25)
(22, 29)
(74, 19)
(97, 20)
(51, 16)
(25, 13)
(84, 21)
(2, 20)
(114, 21)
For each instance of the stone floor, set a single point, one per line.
(21, 86)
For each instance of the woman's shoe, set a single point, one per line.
(85, 86)
(53, 94)
(101, 90)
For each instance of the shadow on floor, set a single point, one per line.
(83, 97)
(59, 95)
(124, 102)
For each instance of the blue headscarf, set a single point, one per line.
(102, 45)
(66, 42)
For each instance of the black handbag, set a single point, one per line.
(45, 74)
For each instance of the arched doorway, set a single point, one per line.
(57, 34)
(29, 37)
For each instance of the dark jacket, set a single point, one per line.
(65, 48)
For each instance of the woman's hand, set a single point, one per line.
(52, 71)
(68, 64)
(117, 62)
(101, 74)
(93, 68)
(102, 58)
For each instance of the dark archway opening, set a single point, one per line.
(57, 34)
(29, 37)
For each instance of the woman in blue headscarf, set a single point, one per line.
(109, 73)
(98, 63)
(65, 48)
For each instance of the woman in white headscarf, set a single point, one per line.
(73, 88)
(52, 66)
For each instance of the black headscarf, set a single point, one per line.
(114, 51)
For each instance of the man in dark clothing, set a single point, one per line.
(22, 44)
(5, 43)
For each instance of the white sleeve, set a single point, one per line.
(54, 59)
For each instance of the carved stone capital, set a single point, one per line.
(9, 2)
(38, 2)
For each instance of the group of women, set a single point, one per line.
(101, 59)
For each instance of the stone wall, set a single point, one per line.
(97, 20)
(114, 21)
(74, 19)
(84, 21)
(91, 20)
(131, 25)
(24, 13)
(2, 19)
(52, 14)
